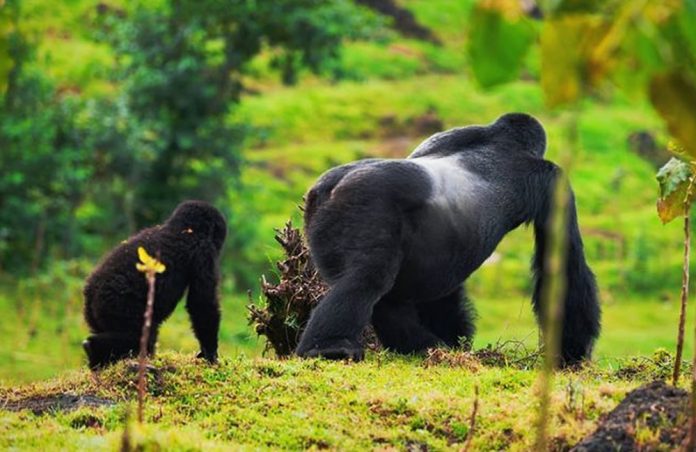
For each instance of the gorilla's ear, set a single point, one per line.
(523, 129)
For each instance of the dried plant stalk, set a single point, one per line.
(552, 296)
(289, 303)
(685, 285)
(144, 338)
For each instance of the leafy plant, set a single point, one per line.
(676, 181)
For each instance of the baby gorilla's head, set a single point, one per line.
(200, 218)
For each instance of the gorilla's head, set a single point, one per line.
(201, 219)
(524, 130)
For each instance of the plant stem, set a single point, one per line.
(684, 298)
(144, 338)
(685, 294)
(552, 304)
(472, 421)
(554, 287)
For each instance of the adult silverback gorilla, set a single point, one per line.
(395, 239)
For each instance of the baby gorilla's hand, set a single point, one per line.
(211, 357)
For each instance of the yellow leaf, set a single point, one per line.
(676, 191)
(511, 9)
(148, 264)
(568, 60)
(672, 206)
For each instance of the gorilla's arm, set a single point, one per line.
(581, 306)
(202, 303)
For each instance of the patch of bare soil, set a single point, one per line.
(656, 407)
(56, 402)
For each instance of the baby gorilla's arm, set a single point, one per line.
(203, 305)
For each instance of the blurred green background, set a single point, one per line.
(113, 112)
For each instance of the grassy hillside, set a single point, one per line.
(385, 402)
(394, 92)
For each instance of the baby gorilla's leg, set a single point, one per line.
(105, 348)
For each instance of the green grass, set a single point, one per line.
(47, 332)
(387, 401)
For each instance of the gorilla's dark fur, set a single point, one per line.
(395, 239)
(189, 244)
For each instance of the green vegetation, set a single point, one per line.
(256, 402)
(62, 206)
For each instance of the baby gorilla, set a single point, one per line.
(189, 245)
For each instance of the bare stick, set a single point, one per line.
(685, 294)
(144, 338)
(685, 286)
(472, 421)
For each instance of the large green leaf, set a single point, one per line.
(498, 43)
(676, 193)
(674, 97)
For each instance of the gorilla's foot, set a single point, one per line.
(335, 350)
(91, 362)
(134, 367)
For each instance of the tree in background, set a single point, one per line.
(43, 168)
(114, 162)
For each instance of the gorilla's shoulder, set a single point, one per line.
(510, 132)
(452, 141)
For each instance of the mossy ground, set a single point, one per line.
(386, 401)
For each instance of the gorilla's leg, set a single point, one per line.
(105, 348)
(399, 327)
(334, 329)
(360, 262)
(356, 237)
(108, 347)
(450, 318)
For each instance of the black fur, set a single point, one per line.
(395, 239)
(189, 244)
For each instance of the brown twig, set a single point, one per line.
(144, 338)
(685, 285)
(684, 296)
(126, 445)
(472, 421)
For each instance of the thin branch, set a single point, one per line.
(144, 338)
(685, 285)
(472, 421)
(685, 294)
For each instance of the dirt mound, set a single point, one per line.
(56, 402)
(651, 417)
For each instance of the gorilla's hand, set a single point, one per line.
(211, 357)
(335, 350)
